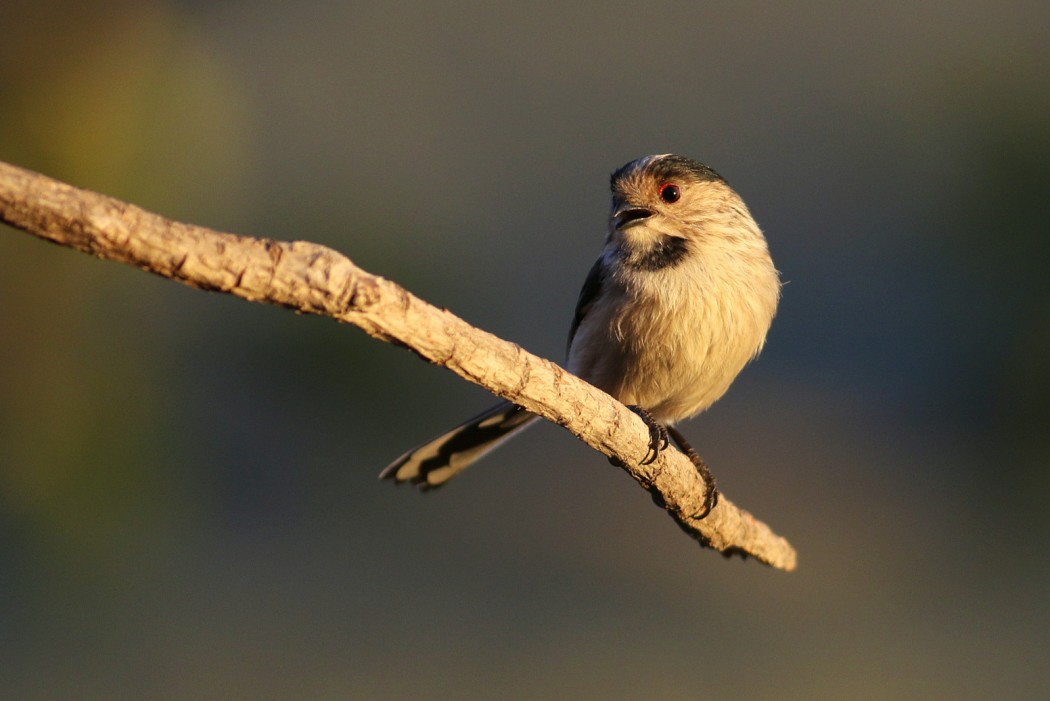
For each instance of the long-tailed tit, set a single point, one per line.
(678, 302)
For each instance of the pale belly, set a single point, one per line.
(644, 355)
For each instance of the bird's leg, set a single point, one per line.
(711, 498)
(657, 434)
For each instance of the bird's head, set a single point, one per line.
(665, 205)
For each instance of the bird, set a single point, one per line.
(680, 299)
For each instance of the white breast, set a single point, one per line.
(671, 341)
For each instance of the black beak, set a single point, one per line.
(627, 215)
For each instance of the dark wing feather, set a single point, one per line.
(591, 287)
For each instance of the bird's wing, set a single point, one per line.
(591, 287)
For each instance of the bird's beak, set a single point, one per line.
(627, 215)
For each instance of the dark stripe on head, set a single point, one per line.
(681, 167)
(668, 168)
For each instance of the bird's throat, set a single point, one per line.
(649, 251)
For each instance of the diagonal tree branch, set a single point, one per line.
(314, 279)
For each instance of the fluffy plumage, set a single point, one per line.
(679, 301)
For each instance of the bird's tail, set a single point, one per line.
(437, 461)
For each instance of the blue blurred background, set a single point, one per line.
(188, 498)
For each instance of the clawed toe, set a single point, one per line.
(711, 498)
(710, 501)
(658, 439)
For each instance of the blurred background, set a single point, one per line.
(188, 498)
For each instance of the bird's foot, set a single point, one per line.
(711, 497)
(658, 439)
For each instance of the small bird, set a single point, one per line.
(679, 301)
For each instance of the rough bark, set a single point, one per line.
(314, 279)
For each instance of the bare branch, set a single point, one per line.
(317, 280)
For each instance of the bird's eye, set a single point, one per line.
(670, 193)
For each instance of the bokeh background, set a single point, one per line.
(188, 498)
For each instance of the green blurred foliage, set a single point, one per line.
(108, 95)
(118, 97)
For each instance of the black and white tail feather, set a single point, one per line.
(436, 462)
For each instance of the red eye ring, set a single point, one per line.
(670, 193)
